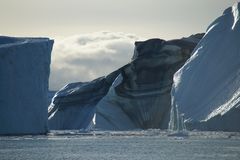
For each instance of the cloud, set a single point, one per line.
(88, 56)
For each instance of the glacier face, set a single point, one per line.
(24, 73)
(206, 89)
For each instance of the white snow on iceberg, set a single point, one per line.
(24, 73)
(207, 88)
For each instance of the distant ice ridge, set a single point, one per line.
(24, 73)
(207, 88)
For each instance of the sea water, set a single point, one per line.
(133, 145)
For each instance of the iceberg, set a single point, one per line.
(24, 73)
(140, 96)
(73, 106)
(135, 96)
(206, 89)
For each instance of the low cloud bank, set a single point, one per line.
(88, 56)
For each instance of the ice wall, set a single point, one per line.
(206, 89)
(24, 73)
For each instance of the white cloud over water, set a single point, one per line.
(88, 56)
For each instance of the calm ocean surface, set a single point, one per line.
(134, 145)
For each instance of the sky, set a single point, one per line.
(95, 37)
(147, 18)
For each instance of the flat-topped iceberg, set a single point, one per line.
(207, 88)
(24, 73)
